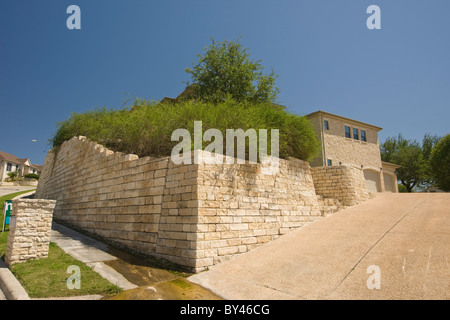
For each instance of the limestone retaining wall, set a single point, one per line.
(193, 215)
(142, 203)
(344, 183)
(241, 208)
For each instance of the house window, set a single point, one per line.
(329, 162)
(347, 132)
(8, 166)
(355, 134)
(363, 135)
(325, 124)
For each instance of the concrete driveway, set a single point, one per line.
(394, 246)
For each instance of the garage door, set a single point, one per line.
(372, 180)
(388, 183)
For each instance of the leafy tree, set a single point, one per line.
(414, 159)
(401, 188)
(408, 154)
(226, 70)
(440, 163)
(428, 143)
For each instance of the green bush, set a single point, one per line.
(439, 163)
(402, 188)
(13, 175)
(31, 176)
(146, 128)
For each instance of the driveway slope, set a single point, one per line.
(394, 246)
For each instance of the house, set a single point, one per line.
(11, 163)
(346, 141)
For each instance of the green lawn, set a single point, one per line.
(47, 277)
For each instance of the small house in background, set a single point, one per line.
(11, 163)
(346, 141)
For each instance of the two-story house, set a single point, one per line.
(346, 141)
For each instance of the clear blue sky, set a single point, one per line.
(397, 78)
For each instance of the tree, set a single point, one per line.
(225, 70)
(408, 154)
(428, 143)
(414, 159)
(440, 163)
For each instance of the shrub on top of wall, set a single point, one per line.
(146, 128)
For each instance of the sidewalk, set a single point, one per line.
(4, 190)
(138, 279)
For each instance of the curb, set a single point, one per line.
(10, 286)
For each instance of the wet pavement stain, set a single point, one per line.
(178, 289)
(155, 283)
(141, 275)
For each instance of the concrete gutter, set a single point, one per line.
(10, 286)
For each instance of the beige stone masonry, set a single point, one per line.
(344, 183)
(195, 215)
(30, 229)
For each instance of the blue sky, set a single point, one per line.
(326, 58)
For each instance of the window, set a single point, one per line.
(363, 135)
(329, 162)
(347, 132)
(325, 124)
(8, 167)
(355, 134)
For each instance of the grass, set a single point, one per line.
(12, 196)
(47, 277)
(146, 129)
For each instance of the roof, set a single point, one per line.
(187, 94)
(38, 167)
(12, 158)
(320, 112)
(182, 96)
(389, 164)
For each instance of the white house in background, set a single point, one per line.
(11, 163)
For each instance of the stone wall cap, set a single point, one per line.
(34, 200)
